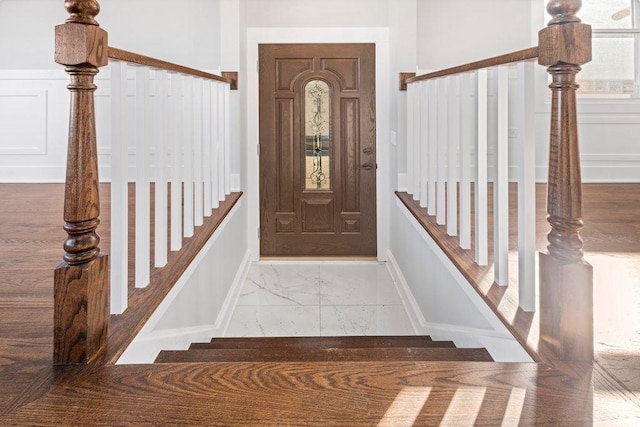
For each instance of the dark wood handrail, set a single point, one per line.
(509, 58)
(136, 58)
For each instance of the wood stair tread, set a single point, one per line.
(294, 354)
(323, 342)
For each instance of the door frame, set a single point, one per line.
(377, 36)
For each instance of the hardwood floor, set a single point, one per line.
(612, 246)
(328, 393)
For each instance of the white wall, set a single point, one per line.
(185, 32)
(34, 121)
(317, 14)
(26, 33)
(456, 32)
(403, 31)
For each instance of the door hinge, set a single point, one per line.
(257, 66)
(258, 233)
(258, 150)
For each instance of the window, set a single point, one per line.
(615, 69)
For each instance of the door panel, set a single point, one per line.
(317, 130)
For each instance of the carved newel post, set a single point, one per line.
(566, 280)
(81, 283)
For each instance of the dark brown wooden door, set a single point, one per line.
(317, 150)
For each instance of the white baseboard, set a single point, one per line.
(145, 349)
(503, 348)
(32, 174)
(230, 301)
(408, 300)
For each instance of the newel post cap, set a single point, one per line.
(81, 44)
(568, 43)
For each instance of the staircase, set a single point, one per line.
(325, 349)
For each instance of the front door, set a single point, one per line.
(317, 150)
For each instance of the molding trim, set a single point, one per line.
(230, 301)
(24, 136)
(32, 174)
(408, 300)
(145, 349)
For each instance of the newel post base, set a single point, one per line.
(566, 308)
(81, 311)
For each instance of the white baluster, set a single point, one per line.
(215, 147)
(207, 142)
(526, 187)
(221, 145)
(501, 184)
(187, 142)
(469, 137)
(160, 132)
(411, 88)
(198, 201)
(417, 148)
(433, 147)
(454, 145)
(481, 255)
(176, 162)
(143, 137)
(443, 139)
(227, 139)
(119, 189)
(423, 119)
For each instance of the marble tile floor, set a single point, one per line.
(319, 299)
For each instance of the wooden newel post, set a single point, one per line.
(81, 282)
(566, 280)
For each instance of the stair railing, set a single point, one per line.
(450, 116)
(184, 121)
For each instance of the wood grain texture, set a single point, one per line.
(402, 80)
(325, 354)
(337, 393)
(81, 311)
(82, 281)
(335, 221)
(566, 280)
(232, 76)
(136, 58)
(509, 58)
(324, 342)
(330, 393)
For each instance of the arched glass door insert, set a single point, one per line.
(317, 140)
